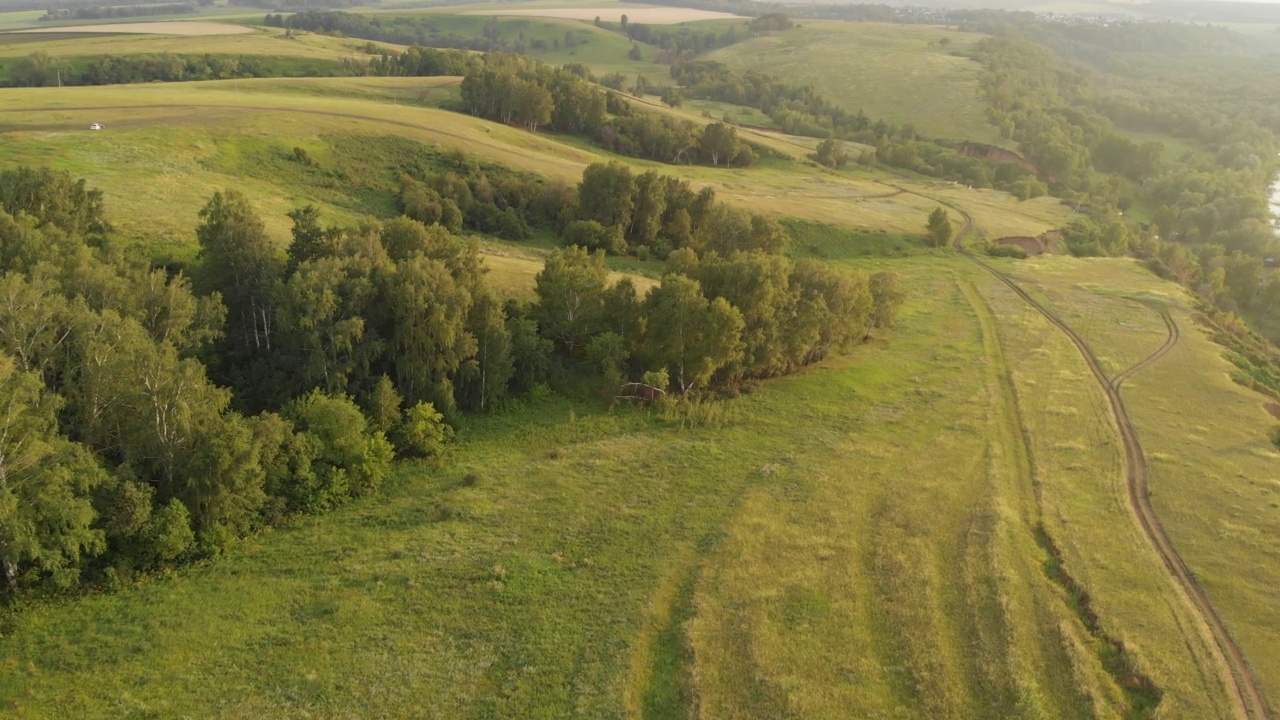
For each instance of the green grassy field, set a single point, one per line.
(599, 49)
(263, 41)
(1211, 462)
(853, 541)
(857, 540)
(169, 146)
(19, 19)
(902, 73)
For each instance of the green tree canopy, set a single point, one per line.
(939, 227)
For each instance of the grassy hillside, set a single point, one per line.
(601, 50)
(853, 541)
(18, 19)
(858, 540)
(902, 73)
(167, 147)
(1205, 438)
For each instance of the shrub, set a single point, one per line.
(424, 432)
(594, 236)
(168, 535)
(348, 460)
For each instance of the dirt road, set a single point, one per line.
(1236, 674)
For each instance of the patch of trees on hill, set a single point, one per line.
(651, 215)
(516, 90)
(800, 110)
(1061, 123)
(407, 30)
(151, 416)
(676, 44)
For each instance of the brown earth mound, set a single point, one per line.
(1031, 245)
(996, 154)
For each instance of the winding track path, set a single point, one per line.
(1173, 336)
(1241, 686)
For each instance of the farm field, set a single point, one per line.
(19, 19)
(167, 27)
(600, 49)
(901, 73)
(254, 42)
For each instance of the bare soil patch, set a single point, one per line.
(646, 15)
(187, 27)
(1031, 245)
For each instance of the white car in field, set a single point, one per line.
(95, 126)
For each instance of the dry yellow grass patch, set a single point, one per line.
(186, 28)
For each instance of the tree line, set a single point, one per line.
(152, 415)
(512, 89)
(1209, 225)
(800, 110)
(1206, 222)
(117, 11)
(39, 69)
(412, 30)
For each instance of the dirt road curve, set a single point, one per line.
(1241, 686)
(1170, 341)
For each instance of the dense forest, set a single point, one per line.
(151, 415)
(1207, 221)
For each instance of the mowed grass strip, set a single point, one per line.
(902, 73)
(1210, 461)
(1080, 475)
(879, 579)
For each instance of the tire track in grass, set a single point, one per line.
(1173, 336)
(1237, 677)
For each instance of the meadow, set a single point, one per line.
(902, 73)
(885, 534)
(856, 540)
(1206, 439)
(521, 592)
(169, 146)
